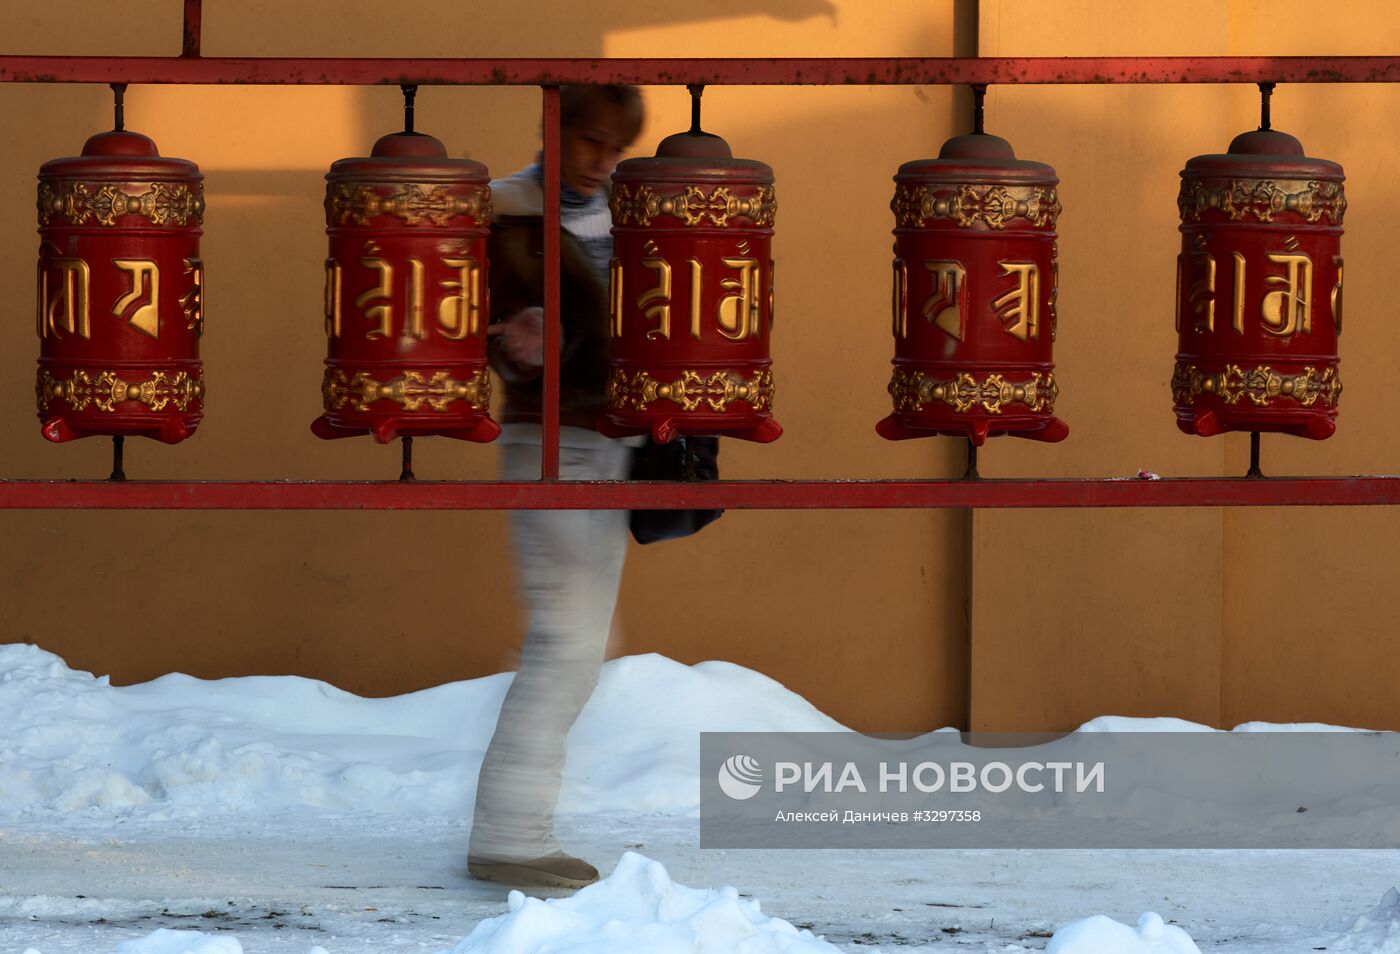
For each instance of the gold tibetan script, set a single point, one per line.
(655, 302)
(192, 301)
(615, 296)
(943, 308)
(899, 300)
(459, 309)
(140, 305)
(1337, 296)
(738, 312)
(1200, 296)
(1288, 309)
(1201, 292)
(377, 298)
(1022, 302)
(334, 280)
(64, 305)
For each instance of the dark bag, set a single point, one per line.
(685, 458)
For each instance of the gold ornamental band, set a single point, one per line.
(164, 203)
(912, 390)
(1261, 384)
(693, 205)
(717, 390)
(106, 390)
(413, 203)
(994, 206)
(1262, 199)
(410, 390)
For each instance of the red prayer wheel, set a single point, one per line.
(975, 274)
(120, 292)
(1259, 290)
(691, 292)
(406, 295)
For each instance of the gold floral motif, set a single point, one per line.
(995, 206)
(693, 206)
(1261, 384)
(164, 203)
(912, 390)
(1263, 199)
(411, 390)
(107, 390)
(414, 203)
(691, 389)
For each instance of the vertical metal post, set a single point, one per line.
(194, 17)
(118, 106)
(967, 42)
(979, 112)
(410, 93)
(1266, 93)
(971, 472)
(549, 449)
(696, 91)
(118, 471)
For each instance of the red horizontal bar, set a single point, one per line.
(870, 71)
(734, 494)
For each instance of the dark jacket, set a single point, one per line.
(516, 254)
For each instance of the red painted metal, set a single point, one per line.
(1259, 290)
(191, 38)
(974, 295)
(805, 71)
(692, 294)
(120, 308)
(731, 494)
(549, 451)
(406, 308)
(190, 68)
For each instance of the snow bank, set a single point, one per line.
(179, 747)
(70, 741)
(1375, 932)
(166, 941)
(1103, 935)
(638, 909)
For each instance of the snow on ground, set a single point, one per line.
(1375, 932)
(278, 814)
(70, 741)
(1101, 934)
(638, 909)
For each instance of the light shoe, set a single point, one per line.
(555, 870)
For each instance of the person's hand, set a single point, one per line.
(522, 336)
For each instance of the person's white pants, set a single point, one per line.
(569, 565)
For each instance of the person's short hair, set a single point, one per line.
(579, 105)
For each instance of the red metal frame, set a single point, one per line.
(549, 451)
(784, 71)
(735, 494)
(550, 492)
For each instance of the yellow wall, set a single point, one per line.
(1218, 616)
(861, 612)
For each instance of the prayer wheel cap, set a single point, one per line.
(977, 146)
(1265, 142)
(693, 145)
(120, 143)
(407, 145)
